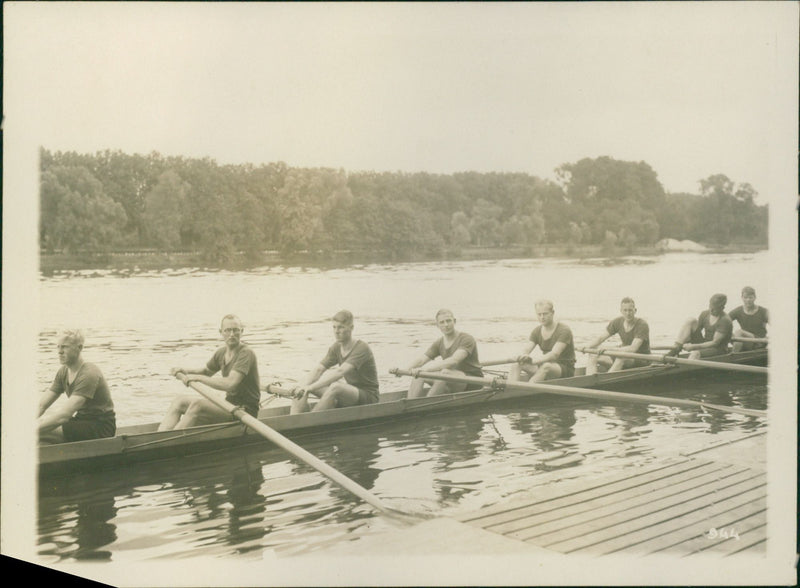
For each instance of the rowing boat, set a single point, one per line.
(139, 443)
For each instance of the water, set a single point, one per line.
(243, 504)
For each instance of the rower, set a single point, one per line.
(88, 412)
(554, 338)
(238, 378)
(634, 334)
(347, 359)
(455, 353)
(752, 321)
(707, 335)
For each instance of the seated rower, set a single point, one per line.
(346, 376)
(554, 338)
(88, 412)
(707, 335)
(457, 354)
(238, 378)
(634, 333)
(752, 321)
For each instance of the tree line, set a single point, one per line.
(110, 201)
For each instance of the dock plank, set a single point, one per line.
(560, 496)
(750, 516)
(578, 515)
(611, 521)
(591, 508)
(698, 512)
(752, 535)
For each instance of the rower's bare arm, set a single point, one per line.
(419, 362)
(47, 398)
(177, 371)
(553, 354)
(62, 414)
(715, 342)
(459, 356)
(225, 383)
(634, 346)
(329, 378)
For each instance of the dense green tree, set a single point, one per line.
(76, 212)
(165, 211)
(728, 211)
(484, 223)
(127, 179)
(609, 194)
(459, 229)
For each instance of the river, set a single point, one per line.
(243, 504)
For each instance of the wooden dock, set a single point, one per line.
(689, 506)
(709, 502)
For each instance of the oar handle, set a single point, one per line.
(750, 339)
(279, 390)
(499, 362)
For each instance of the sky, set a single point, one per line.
(693, 90)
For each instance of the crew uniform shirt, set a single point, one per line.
(640, 330)
(365, 375)
(470, 365)
(561, 334)
(248, 392)
(707, 331)
(89, 383)
(755, 323)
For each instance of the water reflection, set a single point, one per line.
(79, 527)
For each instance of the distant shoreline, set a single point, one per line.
(51, 263)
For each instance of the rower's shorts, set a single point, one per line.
(751, 346)
(567, 369)
(83, 428)
(366, 397)
(697, 337)
(712, 351)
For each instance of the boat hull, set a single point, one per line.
(144, 443)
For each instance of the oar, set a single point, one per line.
(501, 383)
(499, 362)
(297, 451)
(750, 339)
(717, 365)
(278, 390)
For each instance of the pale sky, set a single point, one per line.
(692, 89)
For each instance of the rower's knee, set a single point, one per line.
(547, 371)
(334, 392)
(51, 437)
(194, 410)
(299, 405)
(181, 404)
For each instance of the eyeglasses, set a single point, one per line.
(231, 331)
